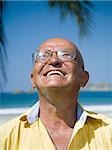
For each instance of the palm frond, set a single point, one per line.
(3, 52)
(81, 10)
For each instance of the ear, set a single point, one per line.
(32, 80)
(84, 78)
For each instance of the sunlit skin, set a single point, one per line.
(58, 93)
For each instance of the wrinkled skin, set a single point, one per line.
(74, 77)
(58, 84)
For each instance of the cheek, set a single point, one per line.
(38, 68)
(36, 71)
(37, 80)
(75, 74)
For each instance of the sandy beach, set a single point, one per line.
(8, 114)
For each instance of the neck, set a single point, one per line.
(58, 108)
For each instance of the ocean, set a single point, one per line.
(16, 103)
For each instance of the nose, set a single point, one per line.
(54, 60)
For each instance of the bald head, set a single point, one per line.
(63, 43)
(57, 42)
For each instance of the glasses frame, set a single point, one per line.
(59, 52)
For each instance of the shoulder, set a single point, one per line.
(11, 131)
(99, 117)
(9, 126)
(94, 117)
(21, 121)
(99, 122)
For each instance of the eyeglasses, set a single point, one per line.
(45, 55)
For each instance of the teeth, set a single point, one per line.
(54, 72)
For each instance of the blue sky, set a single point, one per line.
(27, 24)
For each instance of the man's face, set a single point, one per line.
(55, 73)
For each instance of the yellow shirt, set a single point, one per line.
(91, 132)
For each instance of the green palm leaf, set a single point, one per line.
(80, 10)
(3, 52)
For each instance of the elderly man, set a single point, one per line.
(57, 121)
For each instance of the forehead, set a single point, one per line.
(57, 43)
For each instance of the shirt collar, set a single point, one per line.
(82, 115)
(33, 114)
(99, 117)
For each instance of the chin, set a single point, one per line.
(55, 86)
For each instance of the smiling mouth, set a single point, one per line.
(55, 72)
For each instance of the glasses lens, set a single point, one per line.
(66, 55)
(42, 56)
(45, 55)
